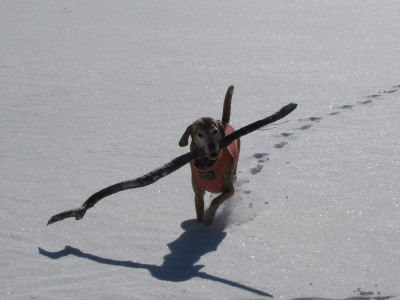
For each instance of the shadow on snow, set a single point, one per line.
(179, 265)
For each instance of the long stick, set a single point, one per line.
(168, 168)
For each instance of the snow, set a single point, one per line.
(97, 93)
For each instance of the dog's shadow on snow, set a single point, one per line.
(180, 264)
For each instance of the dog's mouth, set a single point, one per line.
(213, 155)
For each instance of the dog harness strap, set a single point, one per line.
(211, 179)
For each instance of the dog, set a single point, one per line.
(216, 171)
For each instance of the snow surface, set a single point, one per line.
(97, 92)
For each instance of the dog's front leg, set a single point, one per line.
(198, 201)
(216, 202)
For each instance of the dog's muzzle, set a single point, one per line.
(212, 152)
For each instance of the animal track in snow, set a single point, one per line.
(256, 169)
(305, 127)
(260, 155)
(341, 109)
(369, 101)
(312, 119)
(261, 158)
(280, 145)
(347, 106)
(286, 136)
(374, 96)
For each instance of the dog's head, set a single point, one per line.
(206, 134)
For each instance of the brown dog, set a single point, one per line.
(216, 172)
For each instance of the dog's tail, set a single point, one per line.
(226, 113)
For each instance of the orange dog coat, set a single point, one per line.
(211, 179)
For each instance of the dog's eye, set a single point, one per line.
(215, 131)
(200, 135)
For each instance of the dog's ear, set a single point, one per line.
(221, 128)
(184, 141)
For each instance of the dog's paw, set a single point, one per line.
(209, 218)
(208, 222)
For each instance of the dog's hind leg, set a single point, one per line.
(215, 203)
(228, 191)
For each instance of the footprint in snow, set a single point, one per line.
(287, 134)
(374, 96)
(347, 106)
(365, 102)
(261, 159)
(312, 119)
(390, 91)
(305, 127)
(260, 155)
(256, 169)
(280, 145)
